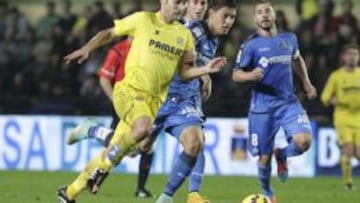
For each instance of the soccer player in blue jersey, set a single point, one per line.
(267, 59)
(181, 115)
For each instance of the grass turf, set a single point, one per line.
(35, 187)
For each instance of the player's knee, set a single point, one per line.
(192, 145)
(192, 142)
(193, 149)
(141, 128)
(141, 132)
(303, 141)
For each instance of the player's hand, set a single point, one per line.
(310, 90)
(80, 55)
(216, 64)
(256, 74)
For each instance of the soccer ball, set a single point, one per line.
(256, 198)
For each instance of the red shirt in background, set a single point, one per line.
(113, 68)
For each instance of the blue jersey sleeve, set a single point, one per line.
(197, 29)
(296, 51)
(205, 47)
(244, 56)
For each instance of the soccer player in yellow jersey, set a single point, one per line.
(343, 92)
(160, 47)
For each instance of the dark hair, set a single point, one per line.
(217, 4)
(350, 46)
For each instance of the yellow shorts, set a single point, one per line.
(131, 104)
(348, 134)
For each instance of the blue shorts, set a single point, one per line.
(264, 126)
(175, 115)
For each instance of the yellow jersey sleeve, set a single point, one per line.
(329, 90)
(190, 42)
(129, 24)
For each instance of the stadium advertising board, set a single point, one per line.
(328, 154)
(39, 143)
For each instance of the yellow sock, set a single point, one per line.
(346, 169)
(74, 189)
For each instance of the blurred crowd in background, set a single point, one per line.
(34, 79)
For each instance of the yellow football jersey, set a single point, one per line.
(345, 86)
(156, 52)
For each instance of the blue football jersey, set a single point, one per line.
(274, 55)
(205, 48)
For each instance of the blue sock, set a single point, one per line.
(180, 171)
(264, 175)
(100, 133)
(291, 150)
(197, 173)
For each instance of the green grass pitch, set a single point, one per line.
(36, 187)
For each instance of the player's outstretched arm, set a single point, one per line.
(301, 70)
(241, 76)
(101, 38)
(188, 70)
